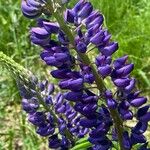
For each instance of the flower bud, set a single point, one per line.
(31, 8)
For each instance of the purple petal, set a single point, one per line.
(145, 118)
(118, 63)
(97, 38)
(138, 101)
(140, 127)
(86, 10)
(51, 27)
(123, 82)
(81, 47)
(87, 123)
(69, 16)
(73, 96)
(110, 49)
(40, 33)
(111, 103)
(104, 71)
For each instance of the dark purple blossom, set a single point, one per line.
(80, 109)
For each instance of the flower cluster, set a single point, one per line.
(91, 112)
(64, 120)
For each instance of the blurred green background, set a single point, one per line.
(127, 20)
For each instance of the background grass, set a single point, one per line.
(127, 20)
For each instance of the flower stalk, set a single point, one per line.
(98, 80)
(78, 107)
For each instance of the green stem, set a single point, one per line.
(82, 146)
(98, 80)
(118, 126)
(85, 139)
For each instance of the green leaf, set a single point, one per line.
(82, 146)
(145, 78)
(82, 140)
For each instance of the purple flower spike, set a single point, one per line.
(61, 109)
(83, 132)
(102, 60)
(104, 144)
(65, 143)
(88, 109)
(133, 95)
(48, 100)
(108, 94)
(111, 103)
(99, 131)
(90, 33)
(79, 110)
(50, 89)
(26, 93)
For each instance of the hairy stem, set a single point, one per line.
(98, 80)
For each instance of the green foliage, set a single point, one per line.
(126, 20)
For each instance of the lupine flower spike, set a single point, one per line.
(84, 106)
